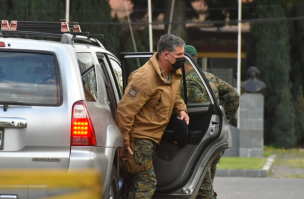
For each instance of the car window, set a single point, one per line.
(27, 77)
(107, 82)
(118, 73)
(88, 74)
(196, 90)
(132, 63)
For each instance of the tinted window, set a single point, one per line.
(29, 78)
(88, 74)
(133, 64)
(118, 73)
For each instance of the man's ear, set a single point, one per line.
(166, 55)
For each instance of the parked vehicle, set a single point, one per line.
(57, 103)
(57, 107)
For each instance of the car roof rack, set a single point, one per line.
(49, 29)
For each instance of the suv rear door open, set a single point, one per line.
(181, 170)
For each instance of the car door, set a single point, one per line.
(180, 170)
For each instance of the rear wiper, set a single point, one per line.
(5, 104)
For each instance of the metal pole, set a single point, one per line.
(27, 10)
(239, 61)
(67, 11)
(171, 16)
(131, 30)
(150, 26)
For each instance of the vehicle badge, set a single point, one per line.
(46, 160)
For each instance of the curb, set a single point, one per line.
(247, 172)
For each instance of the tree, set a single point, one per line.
(4, 10)
(297, 70)
(91, 11)
(284, 128)
(32, 10)
(183, 10)
(272, 49)
(219, 10)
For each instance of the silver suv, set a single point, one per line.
(58, 102)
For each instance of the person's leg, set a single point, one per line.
(213, 169)
(206, 189)
(213, 165)
(144, 183)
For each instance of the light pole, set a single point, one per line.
(150, 26)
(171, 16)
(239, 60)
(67, 11)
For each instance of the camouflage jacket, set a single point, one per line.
(225, 94)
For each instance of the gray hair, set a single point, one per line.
(169, 42)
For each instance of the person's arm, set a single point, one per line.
(180, 108)
(179, 104)
(229, 98)
(136, 95)
(196, 92)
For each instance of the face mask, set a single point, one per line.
(178, 63)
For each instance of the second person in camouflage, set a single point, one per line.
(225, 94)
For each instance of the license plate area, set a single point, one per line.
(1, 138)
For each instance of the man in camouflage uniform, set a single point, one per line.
(225, 94)
(145, 109)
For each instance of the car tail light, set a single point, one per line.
(83, 133)
(2, 44)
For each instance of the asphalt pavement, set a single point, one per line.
(258, 188)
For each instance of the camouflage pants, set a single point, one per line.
(144, 183)
(206, 190)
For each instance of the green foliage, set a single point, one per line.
(282, 152)
(81, 11)
(272, 57)
(91, 11)
(4, 9)
(32, 10)
(142, 45)
(284, 128)
(299, 110)
(241, 163)
(160, 6)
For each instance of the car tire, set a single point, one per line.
(114, 189)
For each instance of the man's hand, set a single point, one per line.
(184, 116)
(121, 151)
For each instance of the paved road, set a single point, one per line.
(259, 188)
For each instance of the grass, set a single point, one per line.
(293, 163)
(293, 176)
(291, 157)
(288, 158)
(241, 163)
(269, 150)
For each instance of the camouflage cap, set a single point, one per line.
(191, 50)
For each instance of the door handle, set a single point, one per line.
(13, 122)
(212, 127)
